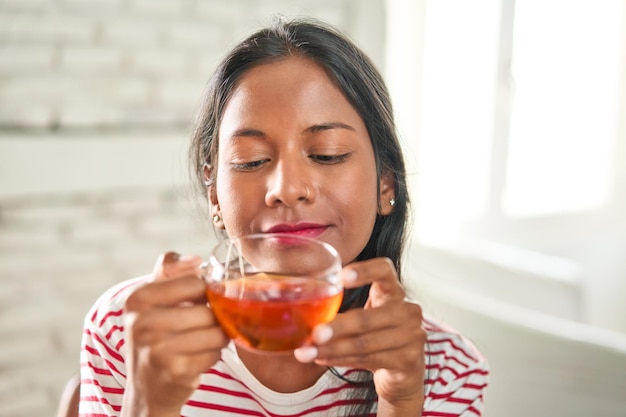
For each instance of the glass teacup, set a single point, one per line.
(268, 291)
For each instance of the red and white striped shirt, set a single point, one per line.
(456, 375)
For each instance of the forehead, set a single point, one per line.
(291, 90)
(285, 72)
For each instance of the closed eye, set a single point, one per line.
(248, 166)
(329, 159)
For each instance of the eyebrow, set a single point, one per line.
(328, 126)
(316, 128)
(247, 133)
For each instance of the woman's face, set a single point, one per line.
(295, 156)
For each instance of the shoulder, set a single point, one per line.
(111, 303)
(456, 371)
(102, 353)
(444, 343)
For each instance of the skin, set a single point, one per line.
(297, 154)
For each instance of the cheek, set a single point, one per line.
(233, 202)
(357, 188)
(361, 193)
(357, 203)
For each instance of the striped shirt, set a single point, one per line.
(455, 380)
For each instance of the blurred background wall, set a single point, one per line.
(512, 113)
(96, 101)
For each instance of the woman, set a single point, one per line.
(295, 135)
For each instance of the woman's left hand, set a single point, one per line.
(385, 337)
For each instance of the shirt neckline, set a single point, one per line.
(232, 359)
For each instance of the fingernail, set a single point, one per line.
(305, 353)
(170, 257)
(350, 276)
(322, 334)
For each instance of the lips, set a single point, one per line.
(300, 229)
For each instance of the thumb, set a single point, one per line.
(171, 265)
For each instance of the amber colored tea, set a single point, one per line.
(270, 312)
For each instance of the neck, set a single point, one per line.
(281, 373)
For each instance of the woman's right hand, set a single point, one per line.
(171, 338)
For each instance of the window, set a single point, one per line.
(566, 77)
(516, 154)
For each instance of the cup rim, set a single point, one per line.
(215, 263)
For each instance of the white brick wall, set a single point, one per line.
(68, 59)
(81, 207)
(57, 254)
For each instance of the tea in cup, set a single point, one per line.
(268, 291)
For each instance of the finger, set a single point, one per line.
(354, 322)
(378, 270)
(167, 294)
(406, 338)
(362, 327)
(344, 325)
(404, 315)
(171, 265)
(194, 341)
(363, 344)
(184, 366)
(404, 359)
(387, 349)
(381, 274)
(175, 320)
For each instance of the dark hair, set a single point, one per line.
(362, 85)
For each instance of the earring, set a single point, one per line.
(216, 218)
(392, 202)
(207, 183)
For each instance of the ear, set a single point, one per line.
(387, 194)
(214, 205)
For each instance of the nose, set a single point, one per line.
(288, 184)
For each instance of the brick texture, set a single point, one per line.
(57, 254)
(58, 53)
